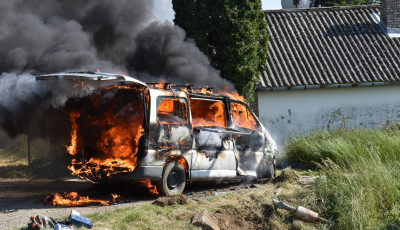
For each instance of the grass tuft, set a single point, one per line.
(359, 183)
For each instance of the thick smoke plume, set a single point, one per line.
(47, 36)
(161, 49)
(57, 35)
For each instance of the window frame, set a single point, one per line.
(257, 126)
(159, 99)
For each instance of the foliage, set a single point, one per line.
(359, 183)
(343, 2)
(232, 33)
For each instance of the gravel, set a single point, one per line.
(21, 198)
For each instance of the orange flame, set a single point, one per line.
(147, 183)
(72, 148)
(172, 111)
(160, 85)
(72, 200)
(233, 95)
(242, 117)
(115, 196)
(111, 127)
(207, 113)
(181, 161)
(79, 83)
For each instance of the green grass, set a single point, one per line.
(360, 175)
(344, 146)
(48, 160)
(246, 209)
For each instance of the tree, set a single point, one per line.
(343, 2)
(232, 33)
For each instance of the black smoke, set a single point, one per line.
(47, 36)
(57, 35)
(161, 49)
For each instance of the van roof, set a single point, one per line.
(90, 76)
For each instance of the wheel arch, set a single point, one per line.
(181, 160)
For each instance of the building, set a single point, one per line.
(330, 68)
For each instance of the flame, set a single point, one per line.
(79, 83)
(72, 199)
(172, 111)
(115, 196)
(205, 90)
(242, 117)
(181, 161)
(206, 113)
(150, 187)
(160, 85)
(72, 148)
(233, 95)
(109, 127)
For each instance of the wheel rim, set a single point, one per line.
(173, 180)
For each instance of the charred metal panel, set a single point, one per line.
(201, 175)
(214, 149)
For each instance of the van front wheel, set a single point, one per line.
(173, 180)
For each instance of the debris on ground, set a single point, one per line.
(74, 220)
(307, 180)
(63, 227)
(8, 211)
(205, 220)
(166, 201)
(300, 212)
(287, 175)
(40, 222)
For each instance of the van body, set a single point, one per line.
(185, 135)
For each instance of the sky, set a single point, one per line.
(163, 8)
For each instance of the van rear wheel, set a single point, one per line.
(173, 180)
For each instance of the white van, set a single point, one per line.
(164, 133)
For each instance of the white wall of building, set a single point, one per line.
(290, 112)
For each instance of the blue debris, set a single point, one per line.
(291, 165)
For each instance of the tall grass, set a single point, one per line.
(48, 160)
(344, 146)
(360, 175)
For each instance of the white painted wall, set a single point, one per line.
(285, 113)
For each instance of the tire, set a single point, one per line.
(266, 169)
(173, 180)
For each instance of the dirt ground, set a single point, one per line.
(22, 198)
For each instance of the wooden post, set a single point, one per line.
(29, 150)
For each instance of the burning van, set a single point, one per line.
(164, 134)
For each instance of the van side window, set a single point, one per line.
(172, 111)
(208, 113)
(242, 117)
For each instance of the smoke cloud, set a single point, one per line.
(51, 36)
(162, 50)
(47, 36)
